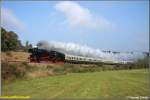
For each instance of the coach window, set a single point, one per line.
(75, 58)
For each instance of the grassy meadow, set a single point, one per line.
(90, 85)
(70, 81)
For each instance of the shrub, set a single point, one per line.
(49, 67)
(142, 63)
(59, 70)
(8, 53)
(13, 71)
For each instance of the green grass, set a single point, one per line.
(105, 84)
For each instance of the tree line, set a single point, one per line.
(11, 42)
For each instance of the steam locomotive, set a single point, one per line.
(39, 55)
(42, 55)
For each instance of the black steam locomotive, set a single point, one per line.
(39, 55)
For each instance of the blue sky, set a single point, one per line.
(106, 25)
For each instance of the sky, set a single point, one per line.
(104, 25)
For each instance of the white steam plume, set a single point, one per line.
(75, 49)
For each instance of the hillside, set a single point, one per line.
(17, 65)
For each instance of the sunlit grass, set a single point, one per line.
(104, 84)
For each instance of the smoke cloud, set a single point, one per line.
(78, 50)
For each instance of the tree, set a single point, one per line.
(9, 41)
(26, 46)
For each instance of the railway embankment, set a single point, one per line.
(16, 65)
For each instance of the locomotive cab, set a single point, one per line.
(34, 56)
(31, 50)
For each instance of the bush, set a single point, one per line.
(8, 53)
(79, 68)
(142, 63)
(6, 71)
(12, 71)
(59, 70)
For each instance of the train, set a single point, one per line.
(42, 55)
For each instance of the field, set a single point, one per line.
(90, 85)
